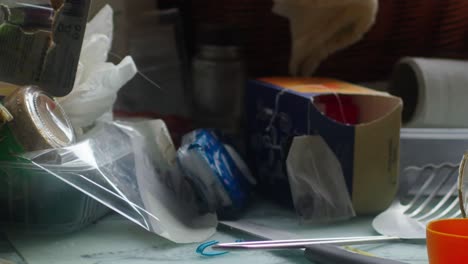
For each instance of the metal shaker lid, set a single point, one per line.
(39, 122)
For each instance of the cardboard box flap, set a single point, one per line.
(375, 108)
(316, 85)
(371, 107)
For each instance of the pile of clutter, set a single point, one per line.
(131, 167)
(305, 150)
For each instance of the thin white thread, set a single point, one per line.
(146, 78)
(308, 119)
(275, 113)
(36, 6)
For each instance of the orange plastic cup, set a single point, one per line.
(447, 241)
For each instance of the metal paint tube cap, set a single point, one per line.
(39, 122)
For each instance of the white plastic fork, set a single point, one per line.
(432, 194)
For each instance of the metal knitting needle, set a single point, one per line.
(295, 244)
(305, 240)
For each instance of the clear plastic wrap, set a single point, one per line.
(29, 14)
(131, 168)
(40, 42)
(218, 174)
(317, 182)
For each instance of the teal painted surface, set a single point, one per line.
(114, 240)
(8, 254)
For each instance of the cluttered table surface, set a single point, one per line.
(334, 148)
(116, 240)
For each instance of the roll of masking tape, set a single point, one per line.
(434, 92)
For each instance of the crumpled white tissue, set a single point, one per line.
(97, 81)
(322, 27)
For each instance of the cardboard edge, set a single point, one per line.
(378, 141)
(397, 106)
(398, 102)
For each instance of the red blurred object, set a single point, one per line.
(403, 28)
(339, 108)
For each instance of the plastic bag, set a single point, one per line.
(218, 174)
(97, 81)
(317, 183)
(131, 168)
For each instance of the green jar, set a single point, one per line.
(36, 122)
(34, 199)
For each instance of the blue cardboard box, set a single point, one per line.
(278, 109)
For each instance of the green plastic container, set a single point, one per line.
(29, 198)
